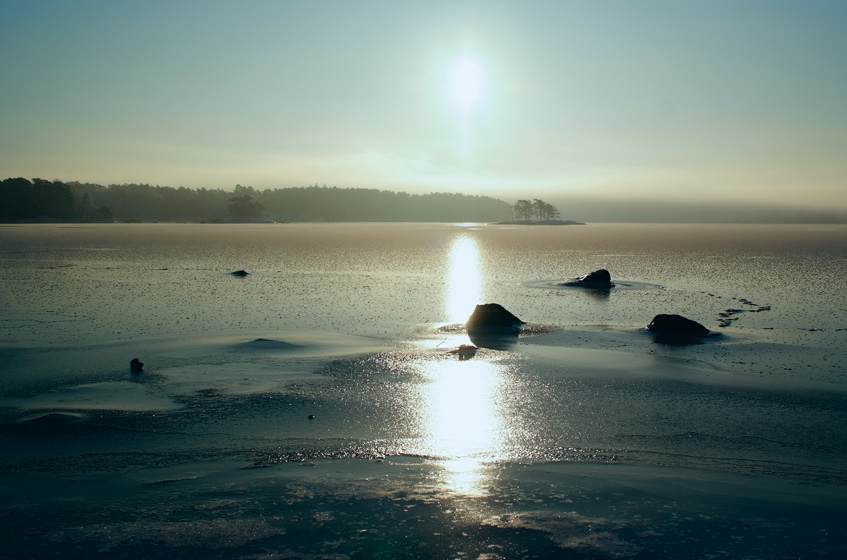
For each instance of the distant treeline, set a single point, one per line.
(25, 200)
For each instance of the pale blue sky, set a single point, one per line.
(738, 101)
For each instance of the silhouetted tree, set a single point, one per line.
(24, 200)
(17, 199)
(522, 210)
(544, 210)
(244, 208)
(525, 210)
(21, 199)
(102, 214)
(54, 199)
(85, 209)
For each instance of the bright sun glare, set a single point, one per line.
(466, 83)
(464, 280)
(463, 421)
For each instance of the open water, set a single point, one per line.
(316, 407)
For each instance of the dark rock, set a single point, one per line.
(601, 275)
(492, 316)
(135, 366)
(241, 272)
(676, 325)
(465, 352)
(311, 417)
(598, 279)
(492, 326)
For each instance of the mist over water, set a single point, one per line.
(617, 207)
(316, 407)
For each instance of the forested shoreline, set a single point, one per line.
(23, 200)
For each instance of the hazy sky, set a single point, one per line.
(725, 101)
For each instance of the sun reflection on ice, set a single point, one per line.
(460, 404)
(464, 280)
(462, 421)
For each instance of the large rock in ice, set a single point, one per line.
(492, 326)
(676, 325)
(492, 316)
(598, 279)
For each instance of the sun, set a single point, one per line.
(466, 83)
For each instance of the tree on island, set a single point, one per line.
(524, 210)
(544, 210)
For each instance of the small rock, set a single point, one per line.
(676, 325)
(241, 272)
(465, 352)
(135, 366)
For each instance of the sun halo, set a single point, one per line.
(466, 83)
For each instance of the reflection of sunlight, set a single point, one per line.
(464, 280)
(462, 421)
(464, 476)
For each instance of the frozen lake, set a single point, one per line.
(584, 438)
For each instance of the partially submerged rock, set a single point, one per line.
(465, 351)
(492, 316)
(492, 326)
(599, 279)
(241, 272)
(135, 366)
(676, 325)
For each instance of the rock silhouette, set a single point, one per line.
(598, 279)
(465, 352)
(241, 272)
(135, 366)
(492, 326)
(676, 325)
(492, 316)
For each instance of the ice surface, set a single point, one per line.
(314, 409)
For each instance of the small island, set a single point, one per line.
(543, 223)
(537, 213)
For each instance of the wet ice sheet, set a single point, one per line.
(586, 439)
(582, 443)
(400, 507)
(117, 395)
(39, 367)
(763, 359)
